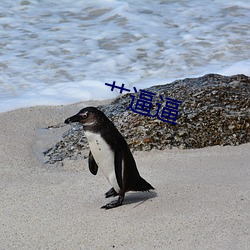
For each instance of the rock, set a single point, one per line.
(215, 110)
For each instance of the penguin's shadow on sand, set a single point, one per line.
(139, 198)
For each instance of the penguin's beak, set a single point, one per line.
(74, 118)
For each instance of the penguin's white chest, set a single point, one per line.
(104, 157)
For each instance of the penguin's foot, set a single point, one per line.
(113, 204)
(111, 193)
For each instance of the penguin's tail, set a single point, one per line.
(141, 185)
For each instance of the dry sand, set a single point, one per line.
(201, 201)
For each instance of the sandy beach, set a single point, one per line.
(201, 198)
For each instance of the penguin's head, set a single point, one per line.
(89, 116)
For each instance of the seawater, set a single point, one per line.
(61, 52)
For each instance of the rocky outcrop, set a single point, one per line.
(215, 110)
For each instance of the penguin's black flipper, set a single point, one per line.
(111, 193)
(93, 167)
(118, 166)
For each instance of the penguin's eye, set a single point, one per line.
(84, 115)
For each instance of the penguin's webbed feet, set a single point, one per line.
(111, 193)
(113, 204)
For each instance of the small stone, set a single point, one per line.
(181, 133)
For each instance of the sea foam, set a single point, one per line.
(62, 52)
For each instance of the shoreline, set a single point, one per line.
(201, 198)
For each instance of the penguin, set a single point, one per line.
(110, 152)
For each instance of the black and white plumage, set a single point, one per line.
(110, 152)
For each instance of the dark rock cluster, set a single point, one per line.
(215, 110)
